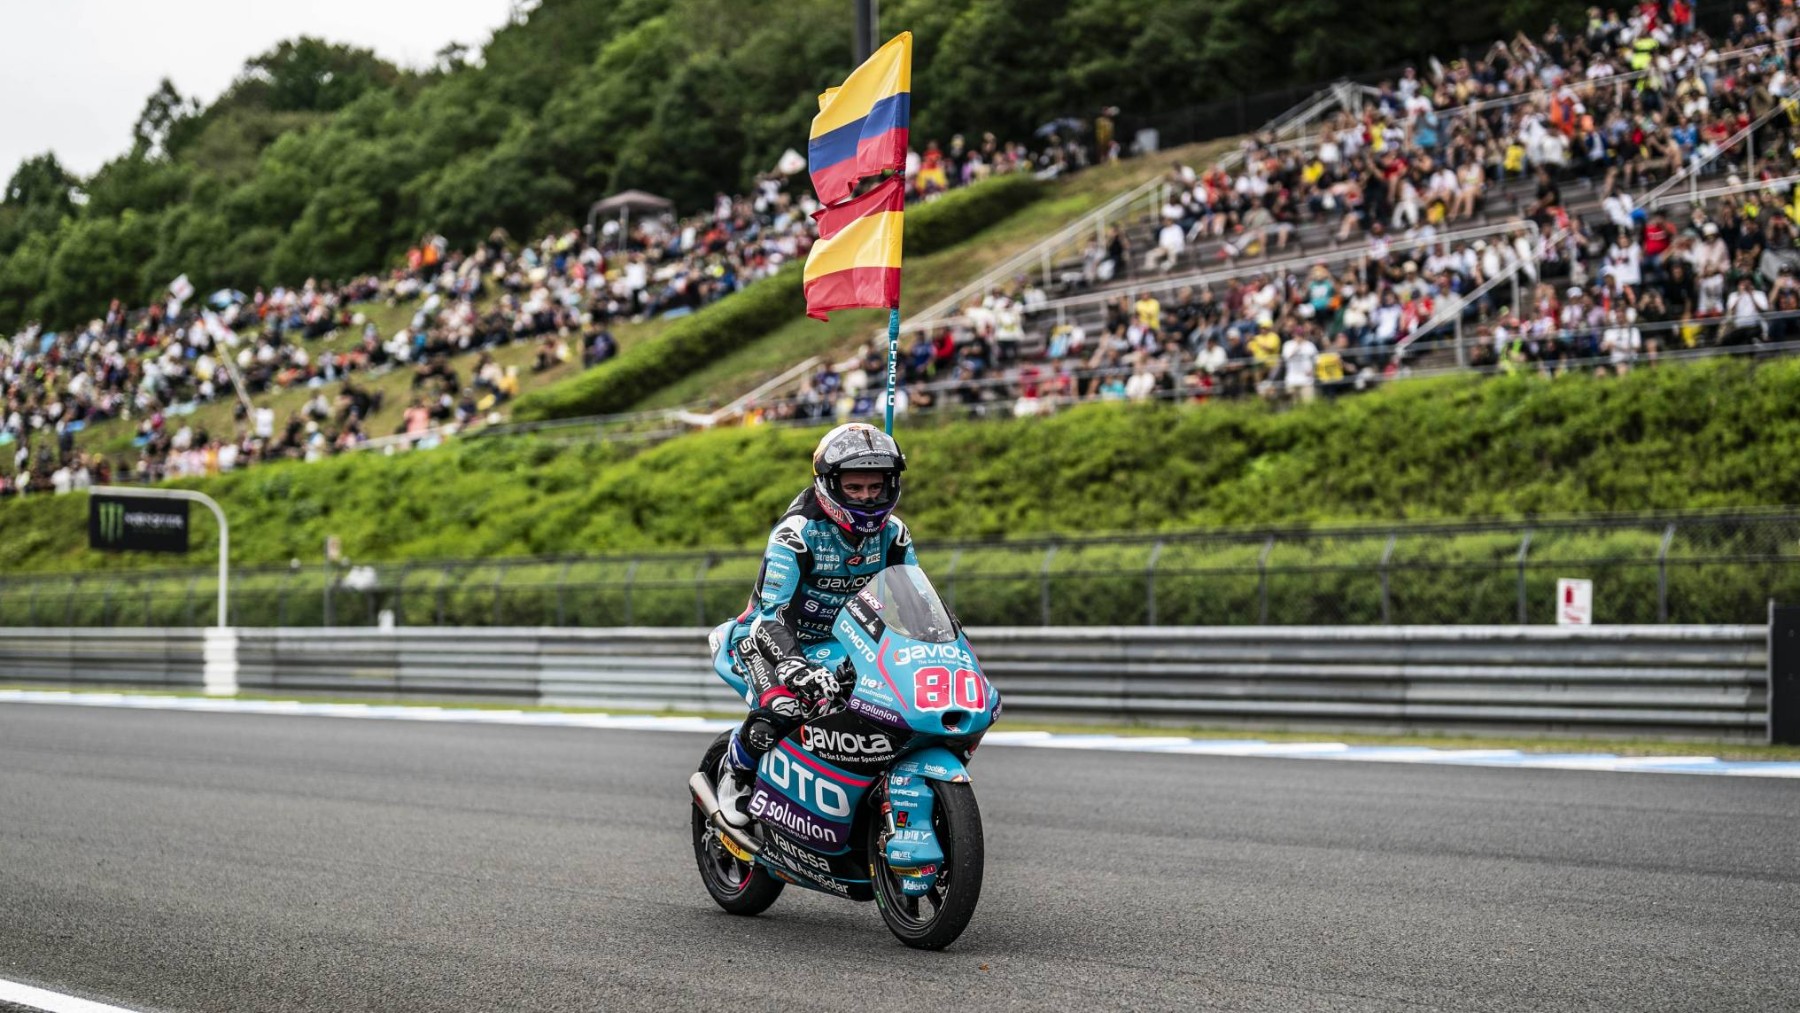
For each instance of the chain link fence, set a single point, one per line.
(1707, 568)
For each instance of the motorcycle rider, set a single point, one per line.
(836, 534)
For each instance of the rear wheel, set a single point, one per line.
(933, 921)
(740, 887)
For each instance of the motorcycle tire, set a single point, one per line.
(935, 921)
(741, 888)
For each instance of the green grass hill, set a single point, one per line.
(1707, 435)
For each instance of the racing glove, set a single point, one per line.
(813, 684)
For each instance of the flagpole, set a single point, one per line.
(893, 363)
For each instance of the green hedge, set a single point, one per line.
(1674, 438)
(741, 319)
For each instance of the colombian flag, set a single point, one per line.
(861, 129)
(856, 261)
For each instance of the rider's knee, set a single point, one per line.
(771, 722)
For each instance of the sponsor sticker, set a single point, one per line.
(795, 856)
(863, 647)
(877, 713)
(800, 782)
(797, 821)
(831, 740)
(736, 852)
(910, 653)
(865, 617)
(828, 884)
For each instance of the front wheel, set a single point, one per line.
(740, 887)
(933, 921)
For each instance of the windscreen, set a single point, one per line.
(909, 605)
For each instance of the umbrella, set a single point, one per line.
(1067, 123)
(225, 297)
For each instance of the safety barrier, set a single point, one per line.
(1710, 681)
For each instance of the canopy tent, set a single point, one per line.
(624, 204)
(632, 200)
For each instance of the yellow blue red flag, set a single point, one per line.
(856, 261)
(862, 126)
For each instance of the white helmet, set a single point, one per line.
(857, 446)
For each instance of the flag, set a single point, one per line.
(856, 261)
(861, 129)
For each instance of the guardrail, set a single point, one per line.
(1704, 681)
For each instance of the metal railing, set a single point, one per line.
(1272, 265)
(1680, 568)
(1454, 308)
(1691, 172)
(1044, 254)
(1705, 681)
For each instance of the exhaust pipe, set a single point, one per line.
(708, 802)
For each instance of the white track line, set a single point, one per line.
(1030, 739)
(53, 1002)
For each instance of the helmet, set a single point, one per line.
(857, 446)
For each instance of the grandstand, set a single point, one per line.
(1466, 212)
(1461, 190)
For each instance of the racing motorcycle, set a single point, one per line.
(869, 798)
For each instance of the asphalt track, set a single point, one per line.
(180, 861)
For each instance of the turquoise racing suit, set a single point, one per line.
(810, 568)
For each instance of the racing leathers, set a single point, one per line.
(809, 570)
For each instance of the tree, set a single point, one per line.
(37, 200)
(41, 182)
(22, 277)
(507, 185)
(98, 259)
(133, 182)
(451, 58)
(311, 75)
(164, 113)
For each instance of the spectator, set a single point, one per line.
(1171, 242)
(1299, 357)
(1620, 342)
(1744, 312)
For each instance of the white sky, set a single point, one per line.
(74, 74)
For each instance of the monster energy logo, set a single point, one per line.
(116, 523)
(112, 521)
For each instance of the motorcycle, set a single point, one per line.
(869, 798)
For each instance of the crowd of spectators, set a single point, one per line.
(563, 293)
(1626, 102)
(1622, 102)
(1616, 108)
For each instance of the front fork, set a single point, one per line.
(908, 842)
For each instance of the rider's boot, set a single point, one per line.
(735, 780)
